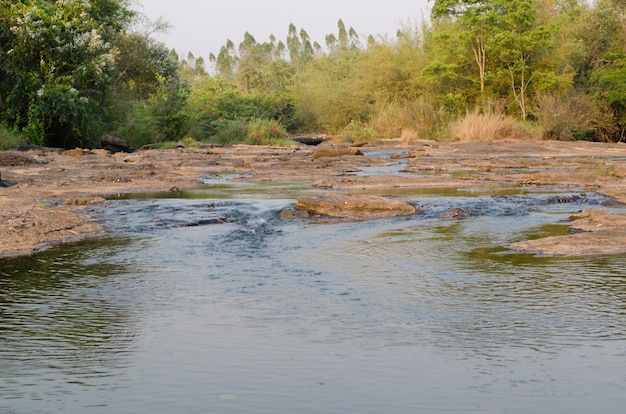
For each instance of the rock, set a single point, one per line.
(294, 213)
(39, 150)
(354, 206)
(596, 231)
(14, 158)
(457, 213)
(76, 152)
(597, 219)
(309, 139)
(336, 152)
(101, 152)
(84, 201)
(114, 144)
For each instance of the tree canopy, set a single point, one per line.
(71, 70)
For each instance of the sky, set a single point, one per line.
(203, 26)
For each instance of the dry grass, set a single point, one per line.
(408, 136)
(423, 119)
(477, 126)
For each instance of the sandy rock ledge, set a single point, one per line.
(595, 232)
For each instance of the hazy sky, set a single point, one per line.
(203, 26)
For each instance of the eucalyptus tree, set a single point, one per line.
(299, 46)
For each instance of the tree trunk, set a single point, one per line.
(480, 56)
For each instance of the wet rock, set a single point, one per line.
(596, 231)
(336, 151)
(84, 201)
(354, 206)
(294, 213)
(456, 213)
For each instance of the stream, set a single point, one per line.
(207, 302)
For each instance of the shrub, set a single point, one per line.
(255, 132)
(424, 119)
(266, 132)
(357, 131)
(232, 132)
(10, 139)
(567, 119)
(477, 126)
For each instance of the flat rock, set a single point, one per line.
(336, 151)
(354, 206)
(595, 231)
(14, 158)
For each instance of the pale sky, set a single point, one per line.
(202, 26)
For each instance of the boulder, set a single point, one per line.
(114, 144)
(309, 139)
(354, 206)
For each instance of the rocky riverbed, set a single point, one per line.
(45, 195)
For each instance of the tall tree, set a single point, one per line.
(504, 39)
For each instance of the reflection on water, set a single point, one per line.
(217, 305)
(66, 322)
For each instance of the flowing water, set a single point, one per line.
(210, 303)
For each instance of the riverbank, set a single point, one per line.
(45, 196)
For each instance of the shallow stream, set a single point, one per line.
(210, 303)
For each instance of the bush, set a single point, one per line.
(477, 126)
(567, 119)
(10, 139)
(425, 120)
(254, 132)
(132, 122)
(266, 132)
(232, 132)
(357, 131)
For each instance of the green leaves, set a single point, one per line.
(57, 66)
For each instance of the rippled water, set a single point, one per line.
(213, 304)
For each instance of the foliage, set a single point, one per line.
(10, 139)
(478, 126)
(57, 64)
(266, 132)
(425, 119)
(255, 132)
(71, 70)
(571, 118)
(357, 131)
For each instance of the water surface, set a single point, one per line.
(211, 303)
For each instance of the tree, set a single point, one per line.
(504, 39)
(57, 64)
(474, 20)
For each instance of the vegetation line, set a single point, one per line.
(74, 70)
